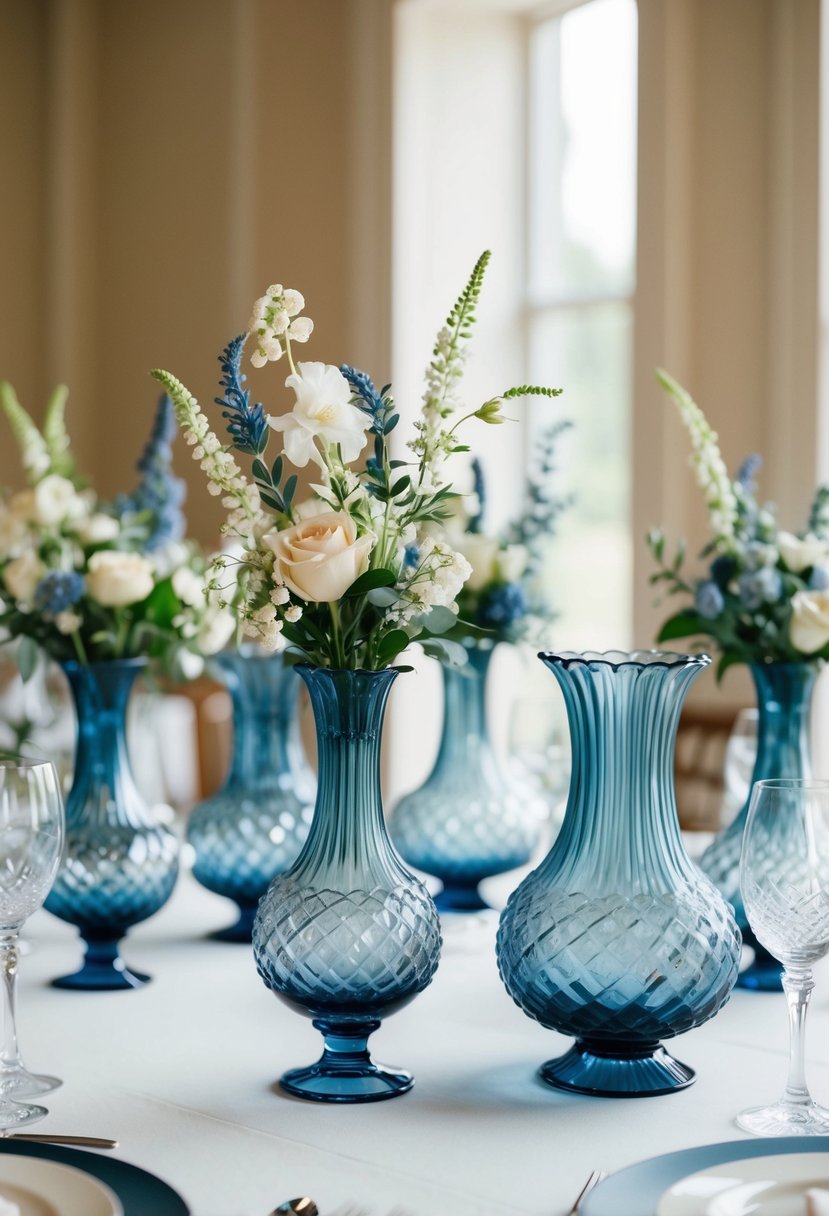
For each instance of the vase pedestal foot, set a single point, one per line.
(103, 970)
(644, 1073)
(764, 972)
(241, 930)
(459, 897)
(346, 1072)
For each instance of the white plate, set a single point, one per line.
(755, 1186)
(45, 1188)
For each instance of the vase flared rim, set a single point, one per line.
(351, 671)
(623, 658)
(135, 663)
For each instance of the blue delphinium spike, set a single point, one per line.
(476, 521)
(58, 591)
(158, 491)
(747, 472)
(366, 397)
(246, 423)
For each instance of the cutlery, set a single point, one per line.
(296, 1207)
(595, 1178)
(95, 1142)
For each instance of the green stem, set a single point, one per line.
(288, 353)
(80, 649)
(337, 634)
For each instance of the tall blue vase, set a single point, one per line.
(784, 700)
(255, 826)
(617, 938)
(348, 936)
(120, 864)
(468, 821)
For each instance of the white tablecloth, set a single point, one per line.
(182, 1072)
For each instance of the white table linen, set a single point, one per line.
(182, 1072)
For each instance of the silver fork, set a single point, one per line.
(593, 1181)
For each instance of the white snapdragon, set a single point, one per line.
(275, 321)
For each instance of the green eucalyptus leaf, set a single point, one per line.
(439, 620)
(383, 597)
(391, 645)
(369, 581)
(28, 656)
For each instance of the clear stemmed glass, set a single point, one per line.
(31, 840)
(784, 876)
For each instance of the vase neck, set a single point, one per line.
(784, 702)
(266, 740)
(103, 788)
(348, 839)
(465, 735)
(621, 827)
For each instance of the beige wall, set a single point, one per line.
(162, 163)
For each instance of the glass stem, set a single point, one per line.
(9, 954)
(798, 987)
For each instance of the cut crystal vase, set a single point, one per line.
(120, 863)
(469, 820)
(784, 700)
(255, 826)
(347, 936)
(617, 938)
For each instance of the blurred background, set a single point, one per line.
(650, 177)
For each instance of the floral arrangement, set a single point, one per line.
(80, 578)
(503, 595)
(766, 593)
(350, 576)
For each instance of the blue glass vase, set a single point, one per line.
(784, 700)
(348, 935)
(468, 820)
(255, 826)
(617, 938)
(120, 864)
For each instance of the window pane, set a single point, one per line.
(587, 351)
(583, 151)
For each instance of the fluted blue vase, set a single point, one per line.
(120, 863)
(617, 938)
(347, 936)
(784, 701)
(255, 826)
(469, 820)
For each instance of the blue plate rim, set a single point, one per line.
(652, 1176)
(87, 1160)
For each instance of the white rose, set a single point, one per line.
(323, 410)
(99, 529)
(799, 554)
(188, 586)
(116, 579)
(809, 626)
(56, 499)
(216, 632)
(23, 575)
(321, 558)
(512, 562)
(481, 552)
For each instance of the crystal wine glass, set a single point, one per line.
(784, 876)
(31, 840)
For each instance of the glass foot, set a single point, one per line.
(460, 898)
(241, 930)
(19, 1114)
(644, 1073)
(786, 1119)
(346, 1072)
(14, 1081)
(103, 969)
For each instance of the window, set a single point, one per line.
(581, 225)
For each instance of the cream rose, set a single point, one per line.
(116, 579)
(23, 575)
(799, 554)
(320, 558)
(809, 626)
(99, 529)
(481, 552)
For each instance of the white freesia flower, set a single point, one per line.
(323, 411)
(116, 579)
(292, 301)
(216, 632)
(809, 626)
(301, 329)
(99, 529)
(188, 586)
(799, 554)
(321, 558)
(22, 575)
